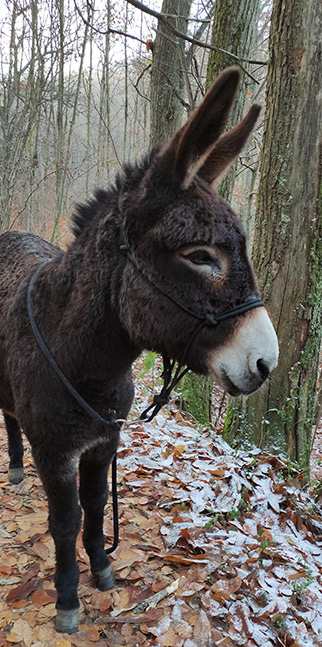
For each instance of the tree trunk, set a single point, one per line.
(287, 246)
(167, 73)
(234, 29)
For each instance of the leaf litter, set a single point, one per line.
(217, 547)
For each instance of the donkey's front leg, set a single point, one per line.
(59, 480)
(93, 496)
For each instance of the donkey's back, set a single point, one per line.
(20, 254)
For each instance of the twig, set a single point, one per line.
(104, 32)
(136, 84)
(149, 602)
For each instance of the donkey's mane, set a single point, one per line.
(129, 175)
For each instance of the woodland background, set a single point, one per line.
(88, 85)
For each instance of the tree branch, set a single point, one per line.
(139, 5)
(110, 30)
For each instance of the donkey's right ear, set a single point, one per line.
(203, 127)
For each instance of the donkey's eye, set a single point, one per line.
(203, 259)
(200, 257)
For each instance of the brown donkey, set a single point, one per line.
(158, 262)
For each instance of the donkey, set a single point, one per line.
(158, 262)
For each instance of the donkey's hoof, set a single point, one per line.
(16, 475)
(67, 621)
(105, 579)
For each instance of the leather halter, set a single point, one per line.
(170, 380)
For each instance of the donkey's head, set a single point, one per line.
(187, 260)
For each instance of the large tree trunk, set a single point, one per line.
(167, 73)
(234, 29)
(287, 248)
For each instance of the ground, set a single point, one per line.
(216, 548)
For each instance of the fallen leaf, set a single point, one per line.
(5, 569)
(41, 549)
(22, 591)
(21, 632)
(223, 589)
(40, 598)
(92, 635)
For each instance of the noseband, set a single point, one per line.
(170, 379)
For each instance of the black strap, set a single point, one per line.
(83, 404)
(115, 509)
(209, 318)
(169, 381)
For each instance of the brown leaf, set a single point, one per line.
(182, 559)
(105, 604)
(40, 598)
(21, 632)
(5, 569)
(92, 634)
(158, 586)
(11, 527)
(41, 550)
(202, 630)
(19, 604)
(3, 640)
(22, 591)
(223, 589)
(32, 571)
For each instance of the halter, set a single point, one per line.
(171, 377)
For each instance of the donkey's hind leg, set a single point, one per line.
(15, 446)
(93, 496)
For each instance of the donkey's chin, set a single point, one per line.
(241, 386)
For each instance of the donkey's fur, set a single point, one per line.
(97, 312)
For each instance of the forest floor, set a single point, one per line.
(217, 548)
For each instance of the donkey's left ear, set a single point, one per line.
(220, 156)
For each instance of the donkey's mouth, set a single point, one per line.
(246, 388)
(230, 386)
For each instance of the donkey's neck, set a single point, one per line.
(84, 289)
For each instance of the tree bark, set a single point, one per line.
(287, 247)
(234, 29)
(167, 73)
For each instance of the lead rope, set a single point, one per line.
(83, 404)
(169, 380)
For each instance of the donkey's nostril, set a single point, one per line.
(263, 369)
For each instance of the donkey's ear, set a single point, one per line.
(204, 126)
(219, 157)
